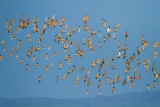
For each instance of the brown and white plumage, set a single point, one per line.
(148, 87)
(39, 79)
(99, 93)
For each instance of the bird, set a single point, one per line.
(108, 30)
(88, 83)
(76, 83)
(6, 23)
(69, 71)
(99, 44)
(113, 67)
(60, 65)
(124, 82)
(99, 84)
(118, 26)
(20, 60)
(64, 76)
(37, 65)
(88, 72)
(153, 66)
(39, 79)
(82, 69)
(2, 43)
(57, 79)
(86, 91)
(99, 33)
(46, 56)
(104, 73)
(79, 28)
(46, 68)
(113, 57)
(50, 46)
(144, 63)
(85, 79)
(135, 70)
(54, 52)
(34, 58)
(99, 93)
(27, 66)
(155, 83)
(104, 39)
(51, 65)
(138, 61)
(147, 67)
(113, 89)
(4, 49)
(126, 35)
(114, 36)
(0, 57)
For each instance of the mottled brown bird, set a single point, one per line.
(60, 65)
(148, 87)
(99, 93)
(126, 35)
(155, 83)
(57, 79)
(46, 68)
(76, 83)
(64, 76)
(0, 57)
(113, 89)
(86, 91)
(51, 65)
(37, 65)
(27, 66)
(39, 79)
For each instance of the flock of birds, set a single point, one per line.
(96, 64)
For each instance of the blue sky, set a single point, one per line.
(136, 17)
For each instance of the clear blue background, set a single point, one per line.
(138, 17)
